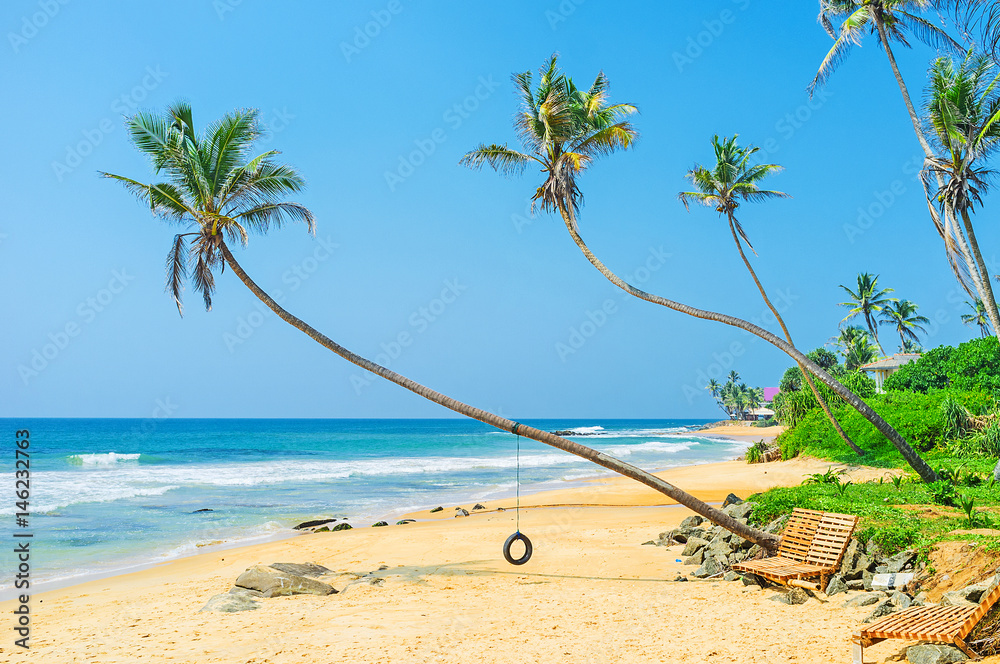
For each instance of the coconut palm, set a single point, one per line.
(855, 344)
(214, 186)
(963, 105)
(902, 314)
(552, 124)
(978, 317)
(732, 180)
(868, 301)
(892, 21)
(910, 346)
(734, 377)
(715, 390)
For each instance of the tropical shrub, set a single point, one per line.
(972, 366)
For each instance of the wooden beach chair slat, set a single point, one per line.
(811, 546)
(932, 624)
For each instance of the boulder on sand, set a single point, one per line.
(272, 582)
(312, 524)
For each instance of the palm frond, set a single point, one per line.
(176, 271)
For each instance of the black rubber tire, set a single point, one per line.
(527, 549)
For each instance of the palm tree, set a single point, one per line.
(732, 180)
(978, 317)
(867, 302)
(910, 346)
(963, 105)
(715, 389)
(891, 21)
(214, 187)
(563, 131)
(902, 314)
(856, 346)
(733, 376)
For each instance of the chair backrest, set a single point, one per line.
(985, 604)
(830, 541)
(798, 534)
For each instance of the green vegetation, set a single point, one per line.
(972, 366)
(736, 398)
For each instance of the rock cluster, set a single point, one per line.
(714, 549)
(274, 580)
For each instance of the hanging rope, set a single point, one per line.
(517, 512)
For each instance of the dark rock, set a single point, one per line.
(836, 585)
(229, 603)
(865, 599)
(324, 529)
(696, 559)
(719, 547)
(341, 526)
(793, 596)
(462, 512)
(882, 569)
(403, 522)
(693, 545)
(275, 583)
(855, 584)
(653, 542)
(691, 522)
(478, 507)
(900, 561)
(680, 578)
(437, 509)
(457, 508)
(301, 569)
(730, 576)
(500, 509)
(739, 511)
(866, 579)
(708, 568)
(848, 564)
(929, 654)
(777, 525)
(380, 524)
(731, 499)
(204, 509)
(882, 609)
(312, 524)
(751, 580)
(901, 600)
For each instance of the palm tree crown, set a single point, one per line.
(897, 19)
(978, 317)
(213, 185)
(563, 129)
(868, 301)
(902, 314)
(732, 180)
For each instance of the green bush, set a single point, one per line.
(891, 538)
(972, 366)
(916, 416)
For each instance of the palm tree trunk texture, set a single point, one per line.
(982, 284)
(716, 516)
(788, 337)
(926, 473)
(989, 301)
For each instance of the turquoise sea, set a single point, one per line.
(110, 494)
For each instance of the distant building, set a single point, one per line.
(885, 367)
(760, 414)
(770, 393)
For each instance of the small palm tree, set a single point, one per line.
(563, 133)
(732, 180)
(867, 302)
(978, 317)
(856, 346)
(902, 314)
(963, 106)
(214, 186)
(734, 377)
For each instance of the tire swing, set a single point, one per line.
(518, 535)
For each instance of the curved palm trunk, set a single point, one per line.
(989, 300)
(873, 328)
(788, 337)
(714, 515)
(982, 283)
(915, 461)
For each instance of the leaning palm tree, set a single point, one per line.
(978, 317)
(732, 180)
(215, 187)
(963, 106)
(563, 131)
(892, 21)
(715, 389)
(868, 301)
(902, 314)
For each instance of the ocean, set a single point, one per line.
(108, 495)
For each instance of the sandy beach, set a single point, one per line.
(591, 593)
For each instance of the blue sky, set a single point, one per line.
(495, 307)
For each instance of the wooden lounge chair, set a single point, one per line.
(934, 624)
(811, 546)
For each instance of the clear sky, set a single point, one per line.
(500, 309)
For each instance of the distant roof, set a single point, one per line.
(770, 392)
(766, 412)
(891, 362)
